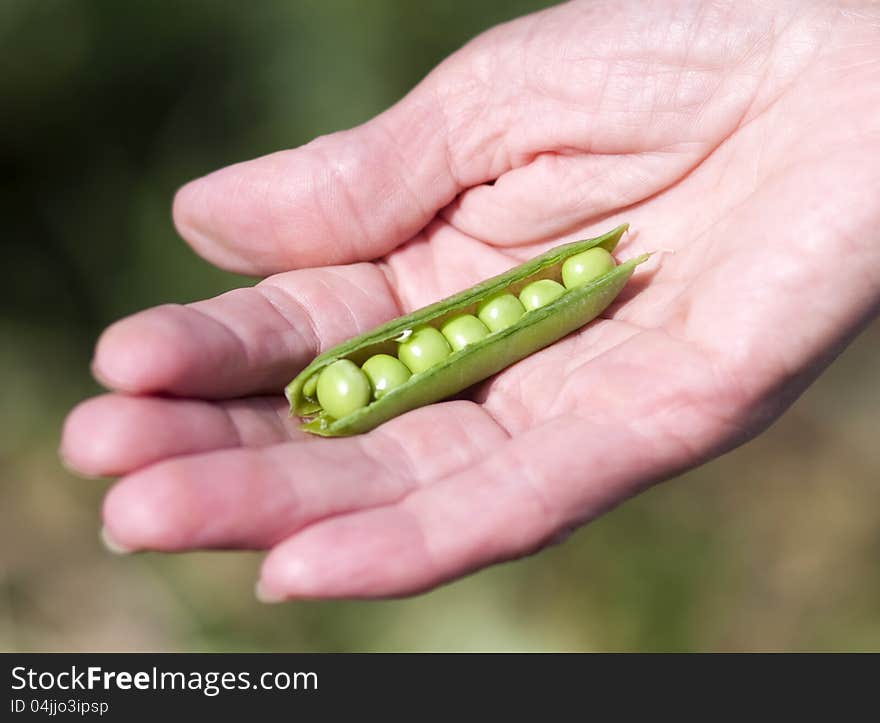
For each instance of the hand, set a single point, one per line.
(743, 138)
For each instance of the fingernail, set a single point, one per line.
(112, 545)
(264, 595)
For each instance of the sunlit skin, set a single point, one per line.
(739, 139)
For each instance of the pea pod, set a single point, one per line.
(535, 329)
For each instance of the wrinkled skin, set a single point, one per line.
(742, 138)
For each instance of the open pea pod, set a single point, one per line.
(534, 330)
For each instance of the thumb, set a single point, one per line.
(349, 196)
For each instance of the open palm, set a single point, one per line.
(743, 140)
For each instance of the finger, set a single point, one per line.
(520, 90)
(245, 341)
(349, 196)
(251, 498)
(512, 503)
(359, 193)
(610, 432)
(557, 194)
(114, 434)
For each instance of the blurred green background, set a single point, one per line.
(107, 107)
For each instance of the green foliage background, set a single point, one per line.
(107, 107)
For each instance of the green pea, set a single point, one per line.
(343, 388)
(423, 349)
(540, 293)
(310, 387)
(463, 330)
(586, 266)
(500, 311)
(385, 372)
